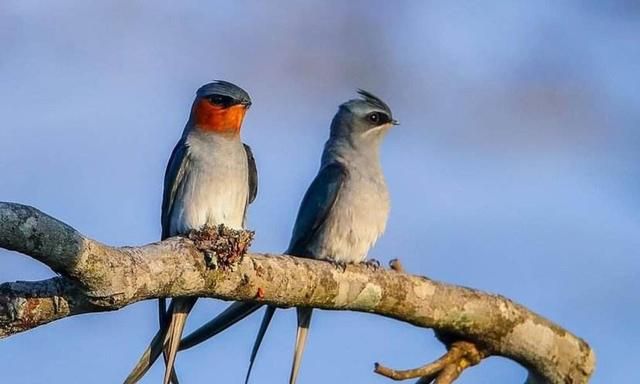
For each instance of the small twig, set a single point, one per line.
(460, 356)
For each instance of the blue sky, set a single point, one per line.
(516, 169)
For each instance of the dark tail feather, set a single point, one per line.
(162, 312)
(154, 349)
(268, 315)
(181, 308)
(162, 318)
(234, 313)
(304, 319)
(148, 357)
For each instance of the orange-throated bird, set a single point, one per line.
(211, 179)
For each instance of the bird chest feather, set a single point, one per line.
(358, 219)
(215, 189)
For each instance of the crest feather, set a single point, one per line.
(374, 100)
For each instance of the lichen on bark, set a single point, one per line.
(96, 277)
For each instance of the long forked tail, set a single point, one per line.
(156, 347)
(181, 309)
(268, 315)
(148, 357)
(304, 318)
(163, 318)
(234, 313)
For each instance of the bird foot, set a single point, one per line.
(396, 265)
(372, 264)
(460, 356)
(341, 265)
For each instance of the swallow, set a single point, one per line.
(211, 179)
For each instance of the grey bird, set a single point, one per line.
(211, 178)
(341, 216)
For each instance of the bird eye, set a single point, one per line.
(221, 100)
(378, 118)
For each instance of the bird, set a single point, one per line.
(211, 179)
(342, 214)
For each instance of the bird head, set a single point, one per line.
(220, 107)
(365, 119)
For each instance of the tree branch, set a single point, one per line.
(95, 277)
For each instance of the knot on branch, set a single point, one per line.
(222, 246)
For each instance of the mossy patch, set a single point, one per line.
(222, 246)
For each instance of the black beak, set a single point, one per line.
(395, 122)
(246, 103)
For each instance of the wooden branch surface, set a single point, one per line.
(96, 277)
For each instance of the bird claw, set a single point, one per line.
(396, 265)
(460, 356)
(373, 264)
(341, 265)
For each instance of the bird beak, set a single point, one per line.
(395, 122)
(246, 103)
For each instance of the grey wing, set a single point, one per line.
(315, 207)
(253, 174)
(173, 178)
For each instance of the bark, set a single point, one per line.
(95, 277)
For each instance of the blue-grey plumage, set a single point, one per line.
(345, 210)
(210, 179)
(342, 214)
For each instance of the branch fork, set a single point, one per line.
(460, 355)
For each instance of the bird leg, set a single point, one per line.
(460, 355)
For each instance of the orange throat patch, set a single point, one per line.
(213, 118)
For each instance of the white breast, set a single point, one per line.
(215, 188)
(357, 220)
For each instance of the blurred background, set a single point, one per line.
(516, 169)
